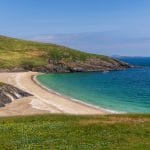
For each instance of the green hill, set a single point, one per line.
(18, 54)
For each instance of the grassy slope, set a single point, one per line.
(123, 132)
(19, 53)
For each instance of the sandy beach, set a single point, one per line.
(42, 101)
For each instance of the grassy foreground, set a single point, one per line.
(63, 132)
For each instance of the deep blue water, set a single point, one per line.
(125, 91)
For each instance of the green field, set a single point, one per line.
(15, 53)
(123, 132)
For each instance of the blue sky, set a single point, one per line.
(100, 26)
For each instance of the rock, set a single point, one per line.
(8, 93)
(82, 66)
(60, 66)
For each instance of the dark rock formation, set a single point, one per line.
(82, 66)
(89, 65)
(8, 93)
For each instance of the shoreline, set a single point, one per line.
(34, 78)
(43, 100)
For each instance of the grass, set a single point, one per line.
(1, 84)
(20, 53)
(125, 132)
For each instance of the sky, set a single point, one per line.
(111, 27)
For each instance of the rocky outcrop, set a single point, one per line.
(8, 93)
(82, 66)
(60, 66)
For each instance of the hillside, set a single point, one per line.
(19, 55)
(125, 132)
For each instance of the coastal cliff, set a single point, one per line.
(21, 55)
(8, 93)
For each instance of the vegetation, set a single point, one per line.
(123, 132)
(1, 84)
(20, 53)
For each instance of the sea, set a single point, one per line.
(126, 91)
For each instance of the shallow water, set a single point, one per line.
(125, 91)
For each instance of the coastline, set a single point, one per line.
(34, 78)
(43, 100)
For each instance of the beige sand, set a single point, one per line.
(42, 101)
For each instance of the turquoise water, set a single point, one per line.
(125, 91)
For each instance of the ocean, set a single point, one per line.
(126, 91)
